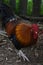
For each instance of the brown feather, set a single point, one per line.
(23, 33)
(9, 28)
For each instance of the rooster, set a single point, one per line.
(21, 34)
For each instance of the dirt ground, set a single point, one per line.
(8, 55)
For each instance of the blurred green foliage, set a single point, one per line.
(17, 6)
(29, 7)
(6, 2)
(41, 8)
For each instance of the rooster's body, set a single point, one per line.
(21, 34)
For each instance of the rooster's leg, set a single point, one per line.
(21, 54)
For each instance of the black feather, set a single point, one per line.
(7, 13)
(16, 43)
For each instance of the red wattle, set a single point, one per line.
(35, 30)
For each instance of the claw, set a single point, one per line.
(21, 54)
